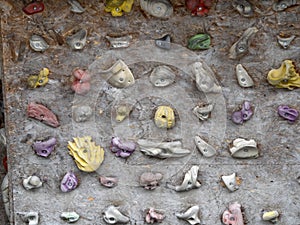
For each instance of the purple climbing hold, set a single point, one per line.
(122, 149)
(288, 113)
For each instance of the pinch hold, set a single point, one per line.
(203, 113)
(239, 117)
(163, 149)
(288, 113)
(153, 216)
(122, 149)
(44, 148)
(241, 47)
(190, 180)
(112, 216)
(191, 215)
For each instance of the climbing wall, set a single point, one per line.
(269, 180)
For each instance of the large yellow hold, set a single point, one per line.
(87, 155)
(285, 76)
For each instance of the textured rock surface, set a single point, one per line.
(269, 181)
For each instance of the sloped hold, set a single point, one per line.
(230, 182)
(284, 42)
(285, 76)
(206, 149)
(162, 76)
(78, 40)
(112, 216)
(38, 43)
(164, 42)
(43, 114)
(191, 215)
(162, 150)
(157, 8)
(243, 77)
(190, 181)
(241, 47)
(204, 78)
(87, 155)
(120, 75)
(244, 149)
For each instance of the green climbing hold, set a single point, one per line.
(199, 42)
